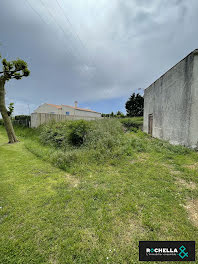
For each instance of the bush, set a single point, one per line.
(104, 134)
(76, 145)
(77, 132)
(65, 134)
(100, 140)
(22, 117)
(54, 134)
(21, 120)
(132, 124)
(100, 134)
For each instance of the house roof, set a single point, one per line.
(77, 108)
(57, 106)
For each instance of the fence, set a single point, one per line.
(38, 119)
(24, 122)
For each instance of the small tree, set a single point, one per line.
(135, 105)
(112, 114)
(11, 70)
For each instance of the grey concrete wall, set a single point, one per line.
(193, 133)
(170, 100)
(38, 119)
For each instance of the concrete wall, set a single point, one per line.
(38, 119)
(193, 132)
(172, 100)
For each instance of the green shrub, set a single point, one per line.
(77, 145)
(97, 141)
(21, 120)
(22, 117)
(132, 124)
(100, 134)
(104, 134)
(77, 132)
(64, 134)
(54, 134)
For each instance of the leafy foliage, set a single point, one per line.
(14, 69)
(10, 109)
(77, 132)
(135, 105)
(64, 134)
(101, 134)
(22, 117)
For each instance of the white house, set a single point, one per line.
(66, 110)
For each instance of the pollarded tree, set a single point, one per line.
(11, 70)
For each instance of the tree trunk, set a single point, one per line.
(7, 122)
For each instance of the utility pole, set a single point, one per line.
(29, 109)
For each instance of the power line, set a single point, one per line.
(66, 17)
(27, 1)
(58, 25)
(72, 28)
(62, 29)
(68, 50)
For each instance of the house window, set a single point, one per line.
(67, 113)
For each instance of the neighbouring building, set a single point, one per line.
(171, 104)
(66, 110)
(47, 112)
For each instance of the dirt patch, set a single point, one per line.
(89, 236)
(189, 185)
(74, 182)
(192, 209)
(134, 228)
(142, 157)
(172, 169)
(192, 166)
(175, 172)
(52, 260)
(126, 232)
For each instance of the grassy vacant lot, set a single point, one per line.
(110, 192)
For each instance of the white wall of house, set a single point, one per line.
(47, 109)
(87, 113)
(65, 110)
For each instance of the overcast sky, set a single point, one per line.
(97, 52)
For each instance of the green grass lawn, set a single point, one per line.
(94, 213)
